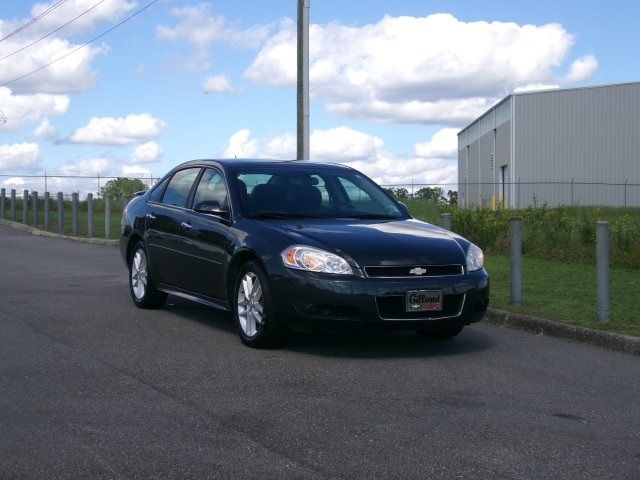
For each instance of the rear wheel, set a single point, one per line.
(143, 291)
(257, 325)
(441, 334)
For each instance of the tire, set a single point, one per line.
(143, 291)
(253, 310)
(442, 334)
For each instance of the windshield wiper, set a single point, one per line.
(372, 216)
(277, 215)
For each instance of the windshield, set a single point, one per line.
(281, 192)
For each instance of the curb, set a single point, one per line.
(42, 233)
(599, 338)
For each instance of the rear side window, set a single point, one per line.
(177, 192)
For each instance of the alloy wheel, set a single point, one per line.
(250, 304)
(139, 274)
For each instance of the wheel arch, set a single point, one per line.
(133, 239)
(237, 261)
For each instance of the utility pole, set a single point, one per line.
(303, 80)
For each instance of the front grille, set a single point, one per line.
(404, 271)
(394, 307)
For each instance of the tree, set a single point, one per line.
(453, 197)
(122, 187)
(399, 193)
(435, 195)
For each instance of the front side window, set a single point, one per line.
(177, 192)
(210, 189)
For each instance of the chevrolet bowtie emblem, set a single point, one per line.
(417, 271)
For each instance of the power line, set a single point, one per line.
(81, 46)
(51, 33)
(33, 20)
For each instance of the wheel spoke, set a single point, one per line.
(246, 286)
(259, 309)
(258, 317)
(257, 292)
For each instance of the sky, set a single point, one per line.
(391, 82)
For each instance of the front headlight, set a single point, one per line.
(475, 258)
(314, 260)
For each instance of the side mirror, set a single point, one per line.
(210, 207)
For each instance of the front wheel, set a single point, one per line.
(143, 291)
(252, 307)
(441, 334)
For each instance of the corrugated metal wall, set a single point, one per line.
(584, 135)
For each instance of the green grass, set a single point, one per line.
(566, 292)
(98, 217)
(563, 233)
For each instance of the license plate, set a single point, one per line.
(424, 300)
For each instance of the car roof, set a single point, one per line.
(242, 163)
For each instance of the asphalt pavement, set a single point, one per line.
(91, 387)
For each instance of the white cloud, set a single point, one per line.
(433, 162)
(196, 25)
(45, 129)
(241, 145)
(433, 69)
(14, 182)
(443, 144)
(217, 84)
(104, 12)
(87, 167)
(147, 153)
(119, 131)
(20, 110)
(135, 170)
(19, 156)
(532, 87)
(70, 74)
(582, 69)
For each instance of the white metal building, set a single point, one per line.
(577, 146)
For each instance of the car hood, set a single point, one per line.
(376, 242)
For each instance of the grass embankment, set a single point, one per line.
(98, 217)
(559, 274)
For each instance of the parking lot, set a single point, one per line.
(91, 387)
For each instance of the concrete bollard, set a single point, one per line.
(516, 261)
(13, 205)
(107, 217)
(34, 197)
(3, 193)
(74, 213)
(47, 210)
(25, 206)
(90, 215)
(446, 221)
(603, 257)
(60, 213)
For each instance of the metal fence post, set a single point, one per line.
(516, 261)
(34, 198)
(602, 262)
(90, 214)
(446, 221)
(13, 205)
(25, 206)
(107, 217)
(74, 213)
(3, 192)
(47, 209)
(60, 213)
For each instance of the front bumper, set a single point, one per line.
(322, 301)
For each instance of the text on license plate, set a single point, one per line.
(424, 300)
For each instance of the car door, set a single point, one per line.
(164, 228)
(206, 237)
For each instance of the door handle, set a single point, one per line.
(151, 216)
(186, 226)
